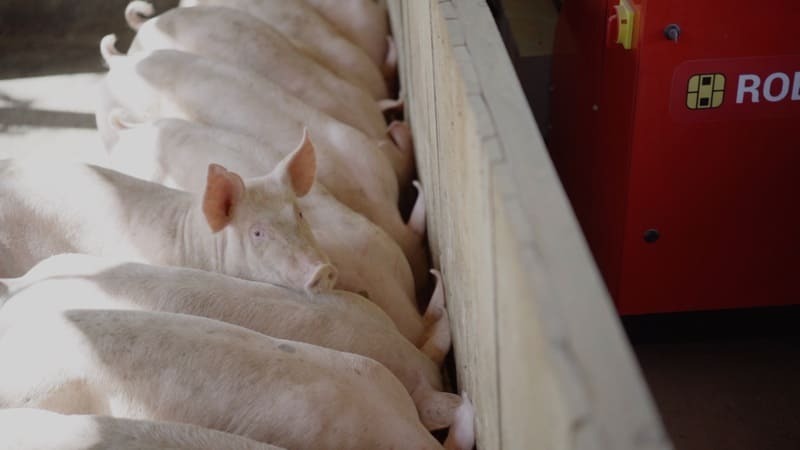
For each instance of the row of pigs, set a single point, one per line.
(239, 275)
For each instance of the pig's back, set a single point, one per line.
(48, 208)
(187, 369)
(315, 36)
(36, 429)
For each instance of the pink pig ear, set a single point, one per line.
(224, 190)
(298, 170)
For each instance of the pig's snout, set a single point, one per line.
(324, 279)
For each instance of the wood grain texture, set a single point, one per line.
(538, 345)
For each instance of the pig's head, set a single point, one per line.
(263, 232)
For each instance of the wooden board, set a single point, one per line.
(538, 346)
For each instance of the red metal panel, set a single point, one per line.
(719, 183)
(595, 180)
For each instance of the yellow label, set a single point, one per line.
(705, 91)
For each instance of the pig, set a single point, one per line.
(171, 151)
(314, 35)
(251, 229)
(38, 429)
(188, 369)
(243, 41)
(363, 22)
(337, 320)
(169, 83)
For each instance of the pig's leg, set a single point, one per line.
(417, 219)
(436, 409)
(462, 431)
(437, 336)
(389, 66)
(400, 133)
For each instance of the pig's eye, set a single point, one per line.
(258, 233)
(298, 212)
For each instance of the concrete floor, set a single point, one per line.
(49, 68)
(50, 115)
(724, 380)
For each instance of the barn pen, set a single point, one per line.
(537, 343)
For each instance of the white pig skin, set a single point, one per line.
(171, 151)
(145, 82)
(314, 35)
(364, 22)
(250, 229)
(168, 83)
(181, 368)
(243, 41)
(38, 429)
(338, 320)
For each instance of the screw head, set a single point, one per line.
(672, 32)
(651, 235)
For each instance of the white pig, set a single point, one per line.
(38, 429)
(172, 151)
(169, 83)
(363, 22)
(314, 35)
(239, 39)
(181, 368)
(250, 229)
(338, 320)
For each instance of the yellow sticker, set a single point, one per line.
(705, 91)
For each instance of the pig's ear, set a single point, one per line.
(224, 190)
(298, 169)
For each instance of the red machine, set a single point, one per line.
(676, 132)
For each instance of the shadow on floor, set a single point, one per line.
(724, 380)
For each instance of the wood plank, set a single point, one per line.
(538, 346)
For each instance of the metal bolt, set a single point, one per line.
(672, 32)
